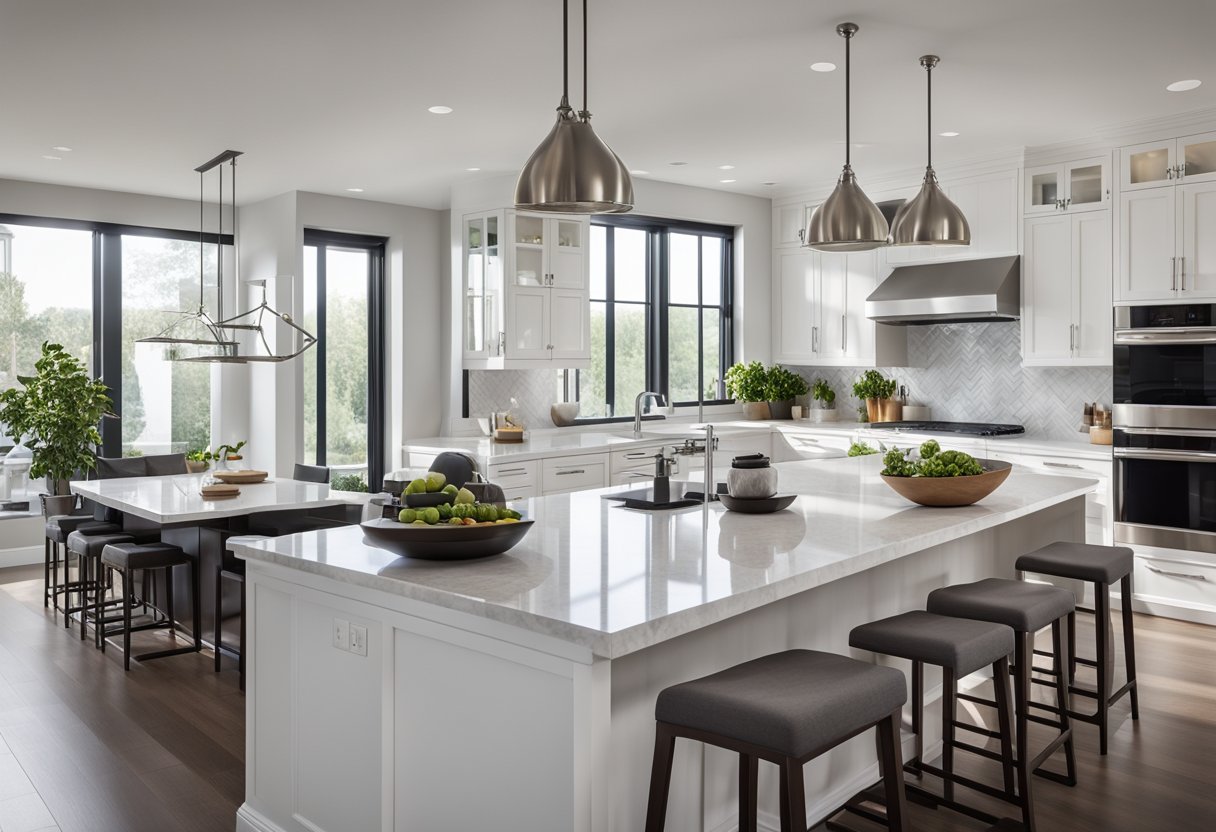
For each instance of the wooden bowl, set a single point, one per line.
(943, 492)
(443, 542)
(246, 477)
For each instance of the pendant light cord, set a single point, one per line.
(566, 54)
(586, 109)
(929, 107)
(848, 143)
(202, 245)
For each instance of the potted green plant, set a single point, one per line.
(198, 460)
(57, 411)
(229, 453)
(825, 401)
(748, 384)
(783, 386)
(876, 390)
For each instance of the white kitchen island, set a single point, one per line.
(517, 692)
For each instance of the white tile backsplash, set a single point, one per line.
(535, 390)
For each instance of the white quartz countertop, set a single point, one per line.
(616, 581)
(176, 499)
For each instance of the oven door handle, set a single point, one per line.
(1195, 432)
(1180, 335)
(1165, 455)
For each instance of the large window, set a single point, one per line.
(344, 374)
(660, 314)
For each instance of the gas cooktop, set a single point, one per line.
(968, 428)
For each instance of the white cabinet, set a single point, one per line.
(789, 223)
(1066, 290)
(482, 296)
(1099, 526)
(1168, 162)
(518, 480)
(1081, 185)
(819, 318)
(563, 474)
(1197, 239)
(1167, 243)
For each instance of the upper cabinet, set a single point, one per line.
(1082, 185)
(526, 301)
(789, 223)
(1168, 162)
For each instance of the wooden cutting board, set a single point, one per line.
(219, 491)
(244, 477)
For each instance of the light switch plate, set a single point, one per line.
(341, 634)
(358, 639)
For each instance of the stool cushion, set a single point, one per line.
(143, 555)
(59, 527)
(90, 545)
(963, 645)
(794, 702)
(1083, 561)
(1024, 606)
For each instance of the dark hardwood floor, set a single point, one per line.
(89, 748)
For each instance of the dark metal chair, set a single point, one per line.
(310, 473)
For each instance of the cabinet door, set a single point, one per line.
(790, 224)
(1091, 276)
(1149, 165)
(475, 294)
(570, 325)
(1146, 245)
(1044, 189)
(1086, 184)
(859, 331)
(990, 204)
(568, 252)
(527, 240)
(1197, 158)
(1197, 252)
(1047, 293)
(528, 322)
(797, 317)
(833, 290)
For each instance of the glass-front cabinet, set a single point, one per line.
(1081, 185)
(483, 286)
(1169, 162)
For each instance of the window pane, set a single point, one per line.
(711, 368)
(592, 394)
(630, 356)
(682, 353)
(682, 269)
(46, 294)
(310, 358)
(630, 265)
(160, 277)
(599, 261)
(711, 270)
(346, 274)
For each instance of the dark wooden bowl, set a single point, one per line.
(948, 492)
(444, 542)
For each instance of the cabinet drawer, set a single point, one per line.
(1181, 580)
(634, 458)
(574, 473)
(505, 473)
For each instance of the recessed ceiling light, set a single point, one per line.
(472, 170)
(440, 110)
(726, 181)
(770, 184)
(640, 172)
(59, 148)
(677, 164)
(355, 190)
(1183, 86)
(51, 158)
(949, 134)
(823, 66)
(726, 167)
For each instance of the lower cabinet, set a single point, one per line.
(563, 474)
(519, 480)
(1099, 522)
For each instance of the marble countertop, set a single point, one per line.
(616, 581)
(176, 499)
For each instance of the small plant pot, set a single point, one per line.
(755, 411)
(874, 409)
(196, 466)
(891, 410)
(781, 410)
(823, 414)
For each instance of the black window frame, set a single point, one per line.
(377, 328)
(658, 305)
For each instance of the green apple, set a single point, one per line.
(465, 497)
(435, 481)
(450, 490)
(407, 515)
(417, 486)
(430, 515)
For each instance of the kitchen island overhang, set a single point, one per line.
(530, 678)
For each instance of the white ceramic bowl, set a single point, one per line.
(563, 414)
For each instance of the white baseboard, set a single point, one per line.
(251, 820)
(1171, 608)
(21, 556)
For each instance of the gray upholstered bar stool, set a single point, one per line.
(1027, 608)
(1101, 566)
(787, 708)
(126, 559)
(959, 646)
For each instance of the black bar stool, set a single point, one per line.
(787, 708)
(959, 646)
(1027, 608)
(1101, 566)
(55, 534)
(126, 558)
(89, 586)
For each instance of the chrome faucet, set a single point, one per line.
(637, 409)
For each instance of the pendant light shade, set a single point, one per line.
(573, 171)
(930, 218)
(847, 220)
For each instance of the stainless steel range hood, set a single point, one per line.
(959, 291)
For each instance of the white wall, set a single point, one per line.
(59, 201)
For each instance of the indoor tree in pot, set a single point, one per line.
(875, 390)
(748, 384)
(783, 386)
(825, 401)
(57, 410)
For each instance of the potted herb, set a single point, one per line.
(876, 390)
(229, 453)
(748, 384)
(783, 386)
(198, 460)
(825, 401)
(57, 411)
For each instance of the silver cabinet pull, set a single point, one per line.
(1187, 575)
(1165, 455)
(638, 455)
(801, 235)
(844, 332)
(1068, 465)
(814, 339)
(1072, 341)
(1182, 273)
(1169, 173)
(1068, 202)
(1174, 273)
(504, 471)
(641, 475)
(571, 471)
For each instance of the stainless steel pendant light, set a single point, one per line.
(573, 171)
(930, 218)
(847, 220)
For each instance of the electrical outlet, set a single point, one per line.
(341, 634)
(358, 639)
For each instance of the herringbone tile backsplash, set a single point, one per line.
(974, 373)
(535, 390)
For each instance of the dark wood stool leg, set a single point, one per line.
(891, 760)
(1023, 653)
(660, 778)
(46, 572)
(1129, 643)
(54, 575)
(1000, 685)
(1101, 628)
(793, 796)
(1072, 647)
(67, 587)
(196, 597)
(99, 640)
(219, 614)
(949, 713)
(918, 709)
(126, 623)
(169, 603)
(749, 770)
(88, 582)
(1064, 701)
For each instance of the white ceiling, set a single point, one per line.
(325, 96)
